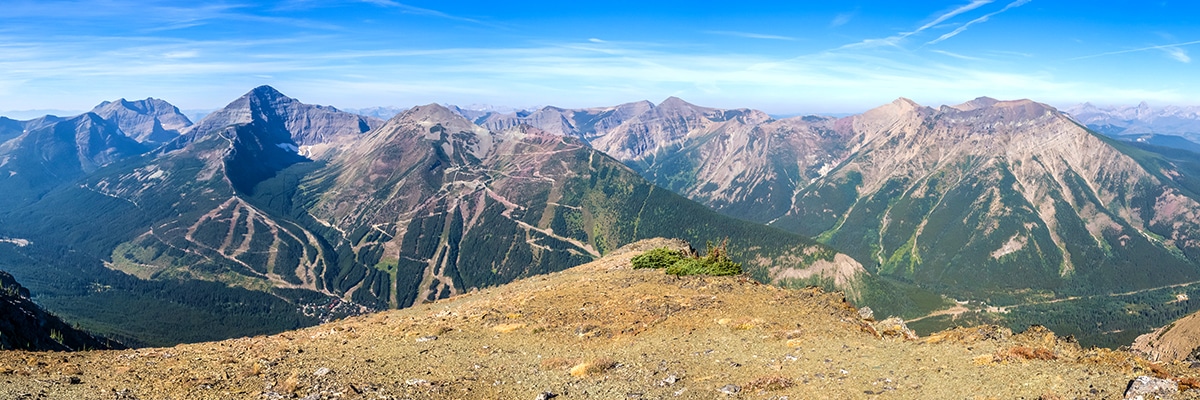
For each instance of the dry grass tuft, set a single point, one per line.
(1188, 383)
(1023, 353)
(771, 383)
(556, 363)
(970, 335)
(593, 367)
(507, 328)
(291, 383)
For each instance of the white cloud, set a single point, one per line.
(1165, 47)
(958, 56)
(842, 19)
(894, 40)
(984, 18)
(181, 54)
(750, 35)
(1178, 54)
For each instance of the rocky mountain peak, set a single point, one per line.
(436, 114)
(977, 103)
(674, 102)
(286, 118)
(675, 105)
(431, 111)
(150, 121)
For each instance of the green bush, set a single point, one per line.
(658, 258)
(716, 262)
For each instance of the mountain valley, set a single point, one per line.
(276, 204)
(291, 214)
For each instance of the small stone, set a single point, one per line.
(322, 371)
(545, 396)
(730, 389)
(416, 382)
(669, 380)
(426, 338)
(895, 327)
(1145, 387)
(866, 313)
(74, 380)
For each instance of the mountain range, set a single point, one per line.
(1005, 206)
(1170, 126)
(281, 204)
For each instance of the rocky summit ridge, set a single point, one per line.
(604, 330)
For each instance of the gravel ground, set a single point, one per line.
(603, 331)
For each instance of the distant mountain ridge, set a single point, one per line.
(150, 121)
(288, 205)
(1142, 123)
(319, 211)
(906, 188)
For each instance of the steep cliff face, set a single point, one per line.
(25, 326)
(311, 129)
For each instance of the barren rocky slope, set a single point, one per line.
(1178, 341)
(600, 330)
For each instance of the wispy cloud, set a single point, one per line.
(984, 18)
(750, 35)
(895, 40)
(954, 13)
(418, 10)
(958, 56)
(1165, 47)
(1178, 54)
(842, 19)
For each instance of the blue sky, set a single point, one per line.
(802, 57)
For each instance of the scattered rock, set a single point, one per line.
(426, 338)
(730, 389)
(1145, 388)
(74, 380)
(545, 396)
(416, 382)
(322, 371)
(894, 327)
(669, 380)
(866, 314)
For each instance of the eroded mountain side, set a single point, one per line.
(997, 202)
(608, 331)
(1175, 342)
(1009, 195)
(426, 206)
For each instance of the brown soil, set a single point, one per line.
(601, 330)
